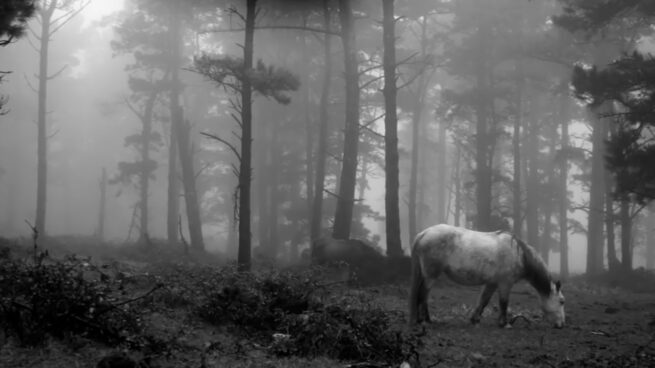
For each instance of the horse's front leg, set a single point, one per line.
(483, 300)
(503, 302)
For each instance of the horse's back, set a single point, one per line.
(466, 256)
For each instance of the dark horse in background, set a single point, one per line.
(496, 260)
(364, 261)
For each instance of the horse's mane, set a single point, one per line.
(535, 270)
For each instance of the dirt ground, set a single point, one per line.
(606, 327)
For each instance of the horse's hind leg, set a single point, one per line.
(423, 312)
(483, 300)
(503, 302)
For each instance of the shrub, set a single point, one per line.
(283, 311)
(61, 297)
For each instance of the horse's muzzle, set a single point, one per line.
(558, 325)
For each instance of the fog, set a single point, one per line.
(91, 109)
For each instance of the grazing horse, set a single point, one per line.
(496, 260)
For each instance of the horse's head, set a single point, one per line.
(553, 305)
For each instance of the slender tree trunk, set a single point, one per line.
(563, 188)
(102, 212)
(45, 16)
(173, 191)
(273, 187)
(626, 236)
(245, 165)
(516, 148)
(596, 195)
(182, 130)
(392, 185)
(532, 187)
(482, 154)
(309, 126)
(321, 154)
(144, 175)
(417, 117)
(263, 165)
(612, 260)
(347, 181)
(458, 185)
(442, 172)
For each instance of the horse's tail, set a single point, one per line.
(416, 293)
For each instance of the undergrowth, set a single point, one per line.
(285, 312)
(41, 298)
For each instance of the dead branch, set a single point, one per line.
(228, 144)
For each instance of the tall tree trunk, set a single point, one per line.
(273, 187)
(173, 191)
(102, 211)
(347, 181)
(442, 172)
(321, 153)
(245, 165)
(610, 217)
(517, 223)
(309, 125)
(417, 117)
(596, 194)
(612, 259)
(182, 130)
(532, 185)
(263, 165)
(545, 243)
(482, 144)
(626, 236)
(458, 184)
(392, 185)
(45, 16)
(563, 188)
(144, 175)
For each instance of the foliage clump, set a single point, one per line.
(61, 298)
(283, 311)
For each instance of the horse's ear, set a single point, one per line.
(558, 285)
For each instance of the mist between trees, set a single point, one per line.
(253, 127)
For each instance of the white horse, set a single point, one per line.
(496, 260)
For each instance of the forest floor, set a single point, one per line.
(607, 326)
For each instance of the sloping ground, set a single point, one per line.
(607, 327)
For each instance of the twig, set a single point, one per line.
(184, 242)
(35, 236)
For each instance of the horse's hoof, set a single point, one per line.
(507, 326)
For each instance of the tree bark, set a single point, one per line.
(144, 175)
(596, 195)
(442, 171)
(245, 165)
(563, 188)
(482, 153)
(417, 119)
(532, 185)
(391, 200)
(626, 236)
(348, 178)
(173, 191)
(273, 187)
(517, 222)
(612, 259)
(321, 153)
(182, 129)
(102, 211)
(45, 16)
